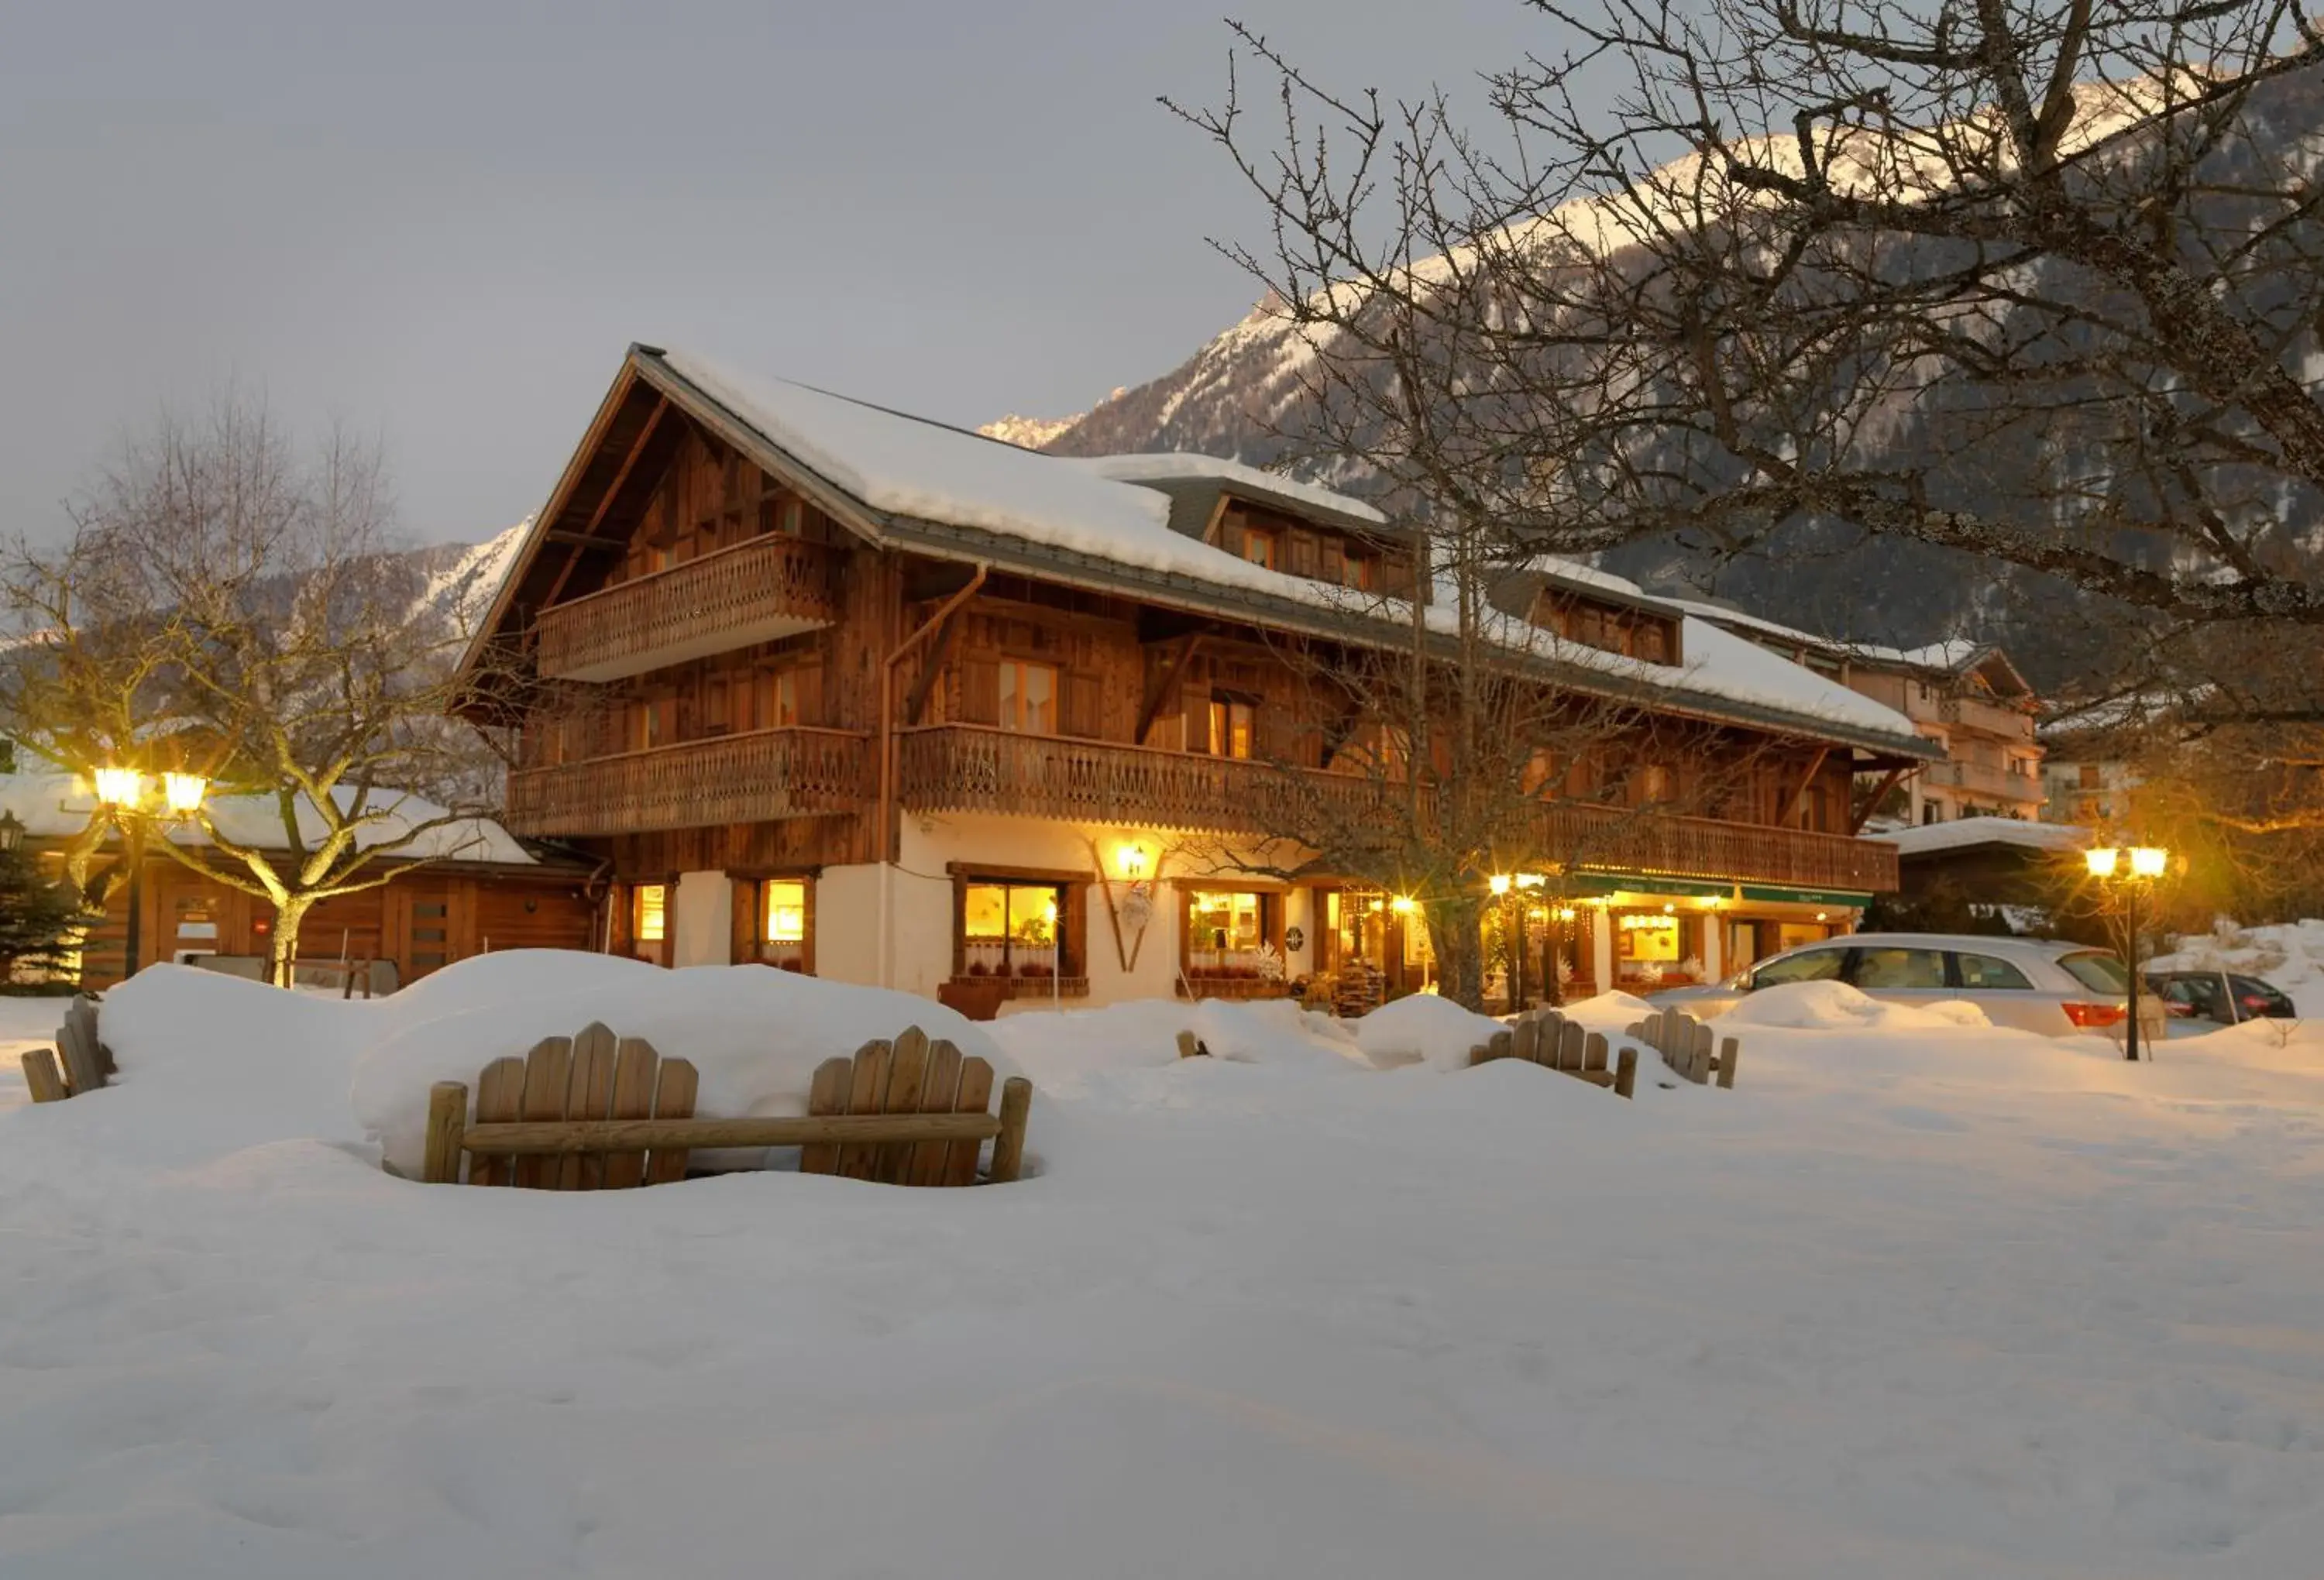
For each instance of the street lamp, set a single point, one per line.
(2126, 870)
(11, 833)
(120, 797)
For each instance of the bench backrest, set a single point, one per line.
(81, 1063)
(1546, 1038)
(595, 1112)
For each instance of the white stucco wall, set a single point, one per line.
(701, 919)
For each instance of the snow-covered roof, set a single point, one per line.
(1964, 832)
(946, 488)
(59, 805)
(1179, 466)
(1950, 655)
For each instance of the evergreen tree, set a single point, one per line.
(38, 916)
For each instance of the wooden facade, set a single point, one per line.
(426, 919)
(749, 676)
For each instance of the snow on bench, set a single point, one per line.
(80, 1063)
(1546, 1038)
(594, 1112)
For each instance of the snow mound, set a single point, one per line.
(755, 1034)
(1143, 1034)
(1422, 1029)
(1835, 1006)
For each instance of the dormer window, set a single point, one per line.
(1261, 547)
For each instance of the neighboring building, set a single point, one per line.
(2002, 864)
(2087, 769)
(842, 690)
(1965, 696)
(472, 890)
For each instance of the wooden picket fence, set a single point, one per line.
(595, 1112)
(1685, 1044)
(1546, 1038)
(80, 1063)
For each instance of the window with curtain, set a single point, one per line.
(782, 923)
(650, 913)
(1028, 697)
(1011, 929)
(1232, 729)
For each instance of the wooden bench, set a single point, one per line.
(595, 1112)
(1685, 1044)
(80, 1063)
(1546, 1038)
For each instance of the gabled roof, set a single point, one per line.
(1194, 485)
(906, 483)
(1948, 659)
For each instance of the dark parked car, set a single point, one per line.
(2229, 997)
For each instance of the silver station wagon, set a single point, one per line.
(2037, 985)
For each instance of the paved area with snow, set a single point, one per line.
(1917, 1299)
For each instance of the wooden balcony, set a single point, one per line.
(1615, 839)
(958, 767)
(964, 768)
(764, 774)
(1991, 718)
(755, 591)
(1984, 781)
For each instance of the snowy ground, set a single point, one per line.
(1915, 1299)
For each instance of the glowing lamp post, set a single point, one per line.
(2126, 870)
(121, 800)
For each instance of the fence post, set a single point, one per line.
(1625, 1073)
(1728, 1049)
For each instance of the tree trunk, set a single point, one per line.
(1455, 934)
(288, 917)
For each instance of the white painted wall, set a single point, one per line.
(1602, 946)
(701, 919)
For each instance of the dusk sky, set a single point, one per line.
(443, 223)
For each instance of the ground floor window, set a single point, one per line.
(1234, 941)
(1657, 948)
(1791, 934)
(774, 922)
(1023, 930)
(640, 924)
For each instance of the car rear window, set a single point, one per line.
(2097, 970)
(1986, 971)
(1815, 965)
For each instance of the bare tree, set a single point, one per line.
(2038, 283)
(229, 607)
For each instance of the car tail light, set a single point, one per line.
(2255, 1002)
(2093, 1016)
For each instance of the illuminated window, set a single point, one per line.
(1645, 939)
(652, 912)
(1028, 697)
(1259, 547)
(1230, 729)
(786, 911)
(1010, 929)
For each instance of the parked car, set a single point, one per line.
(2229, 997)
(2038, 985)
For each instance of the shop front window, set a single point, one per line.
(1654, 947)
(1230, 933)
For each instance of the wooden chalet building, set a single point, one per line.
(837, 689)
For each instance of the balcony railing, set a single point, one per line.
(1970, 713)
(1975, 778)
(764, 774)
(965, 768)
(1613, 839)
(755, 591)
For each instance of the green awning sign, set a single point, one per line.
(1606, 883)
(1846, 898)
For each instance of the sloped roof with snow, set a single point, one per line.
(1963, 833)
(910, 482)
(59, 805)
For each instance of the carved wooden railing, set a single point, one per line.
(959, 767)
(730, 778)
(748, 592)
(1617, 840)
(967, 768)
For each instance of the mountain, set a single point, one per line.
(1240, 395)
